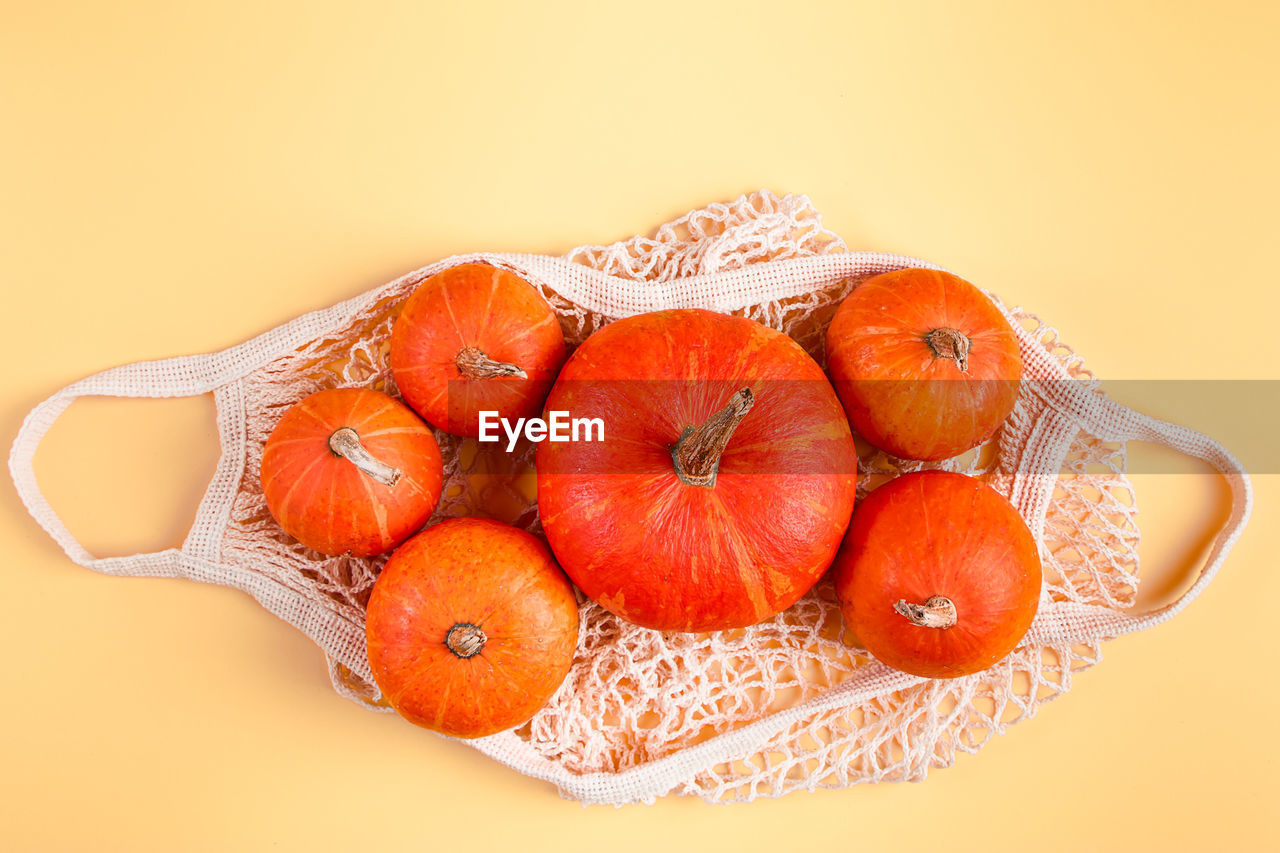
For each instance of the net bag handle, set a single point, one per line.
(199, 556)
(1110, 421)
(180, 376)
(185, 376)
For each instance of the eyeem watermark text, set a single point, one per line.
(558, 427)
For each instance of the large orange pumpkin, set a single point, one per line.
(725, 479)
(471, 338)
(471, 627)
(939, 575)
(926, 365)
(351, 471)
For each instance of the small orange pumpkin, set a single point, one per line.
(471, 627)
(939, 575)
(471, 338)
(924, 362)
(351, 471)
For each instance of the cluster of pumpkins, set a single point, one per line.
(721, 490)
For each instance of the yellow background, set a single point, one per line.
(177, 177)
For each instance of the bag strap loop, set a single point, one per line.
(176, 377)
(1110, 421)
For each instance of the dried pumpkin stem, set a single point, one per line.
(950, 343)
(938, 611)
(697, 454)
(465, 640)
(346, 443)
(474, 364)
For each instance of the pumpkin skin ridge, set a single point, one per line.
(347, 517)
(741, 561)
(578, 482)
(299, 481)
(486, 315)
(327, 542)
(360, 418)
(379, 512)
(510, 593)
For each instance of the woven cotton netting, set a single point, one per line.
(636, 695)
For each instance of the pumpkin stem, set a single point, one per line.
(346, 443)
(697, 453)
(937, 612)
(465, 640)
(950, 343)
(474, 364)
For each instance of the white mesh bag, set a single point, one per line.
(728, 716)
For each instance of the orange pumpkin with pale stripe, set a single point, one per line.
(471, 338)
(725, 479)
(351, 471)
